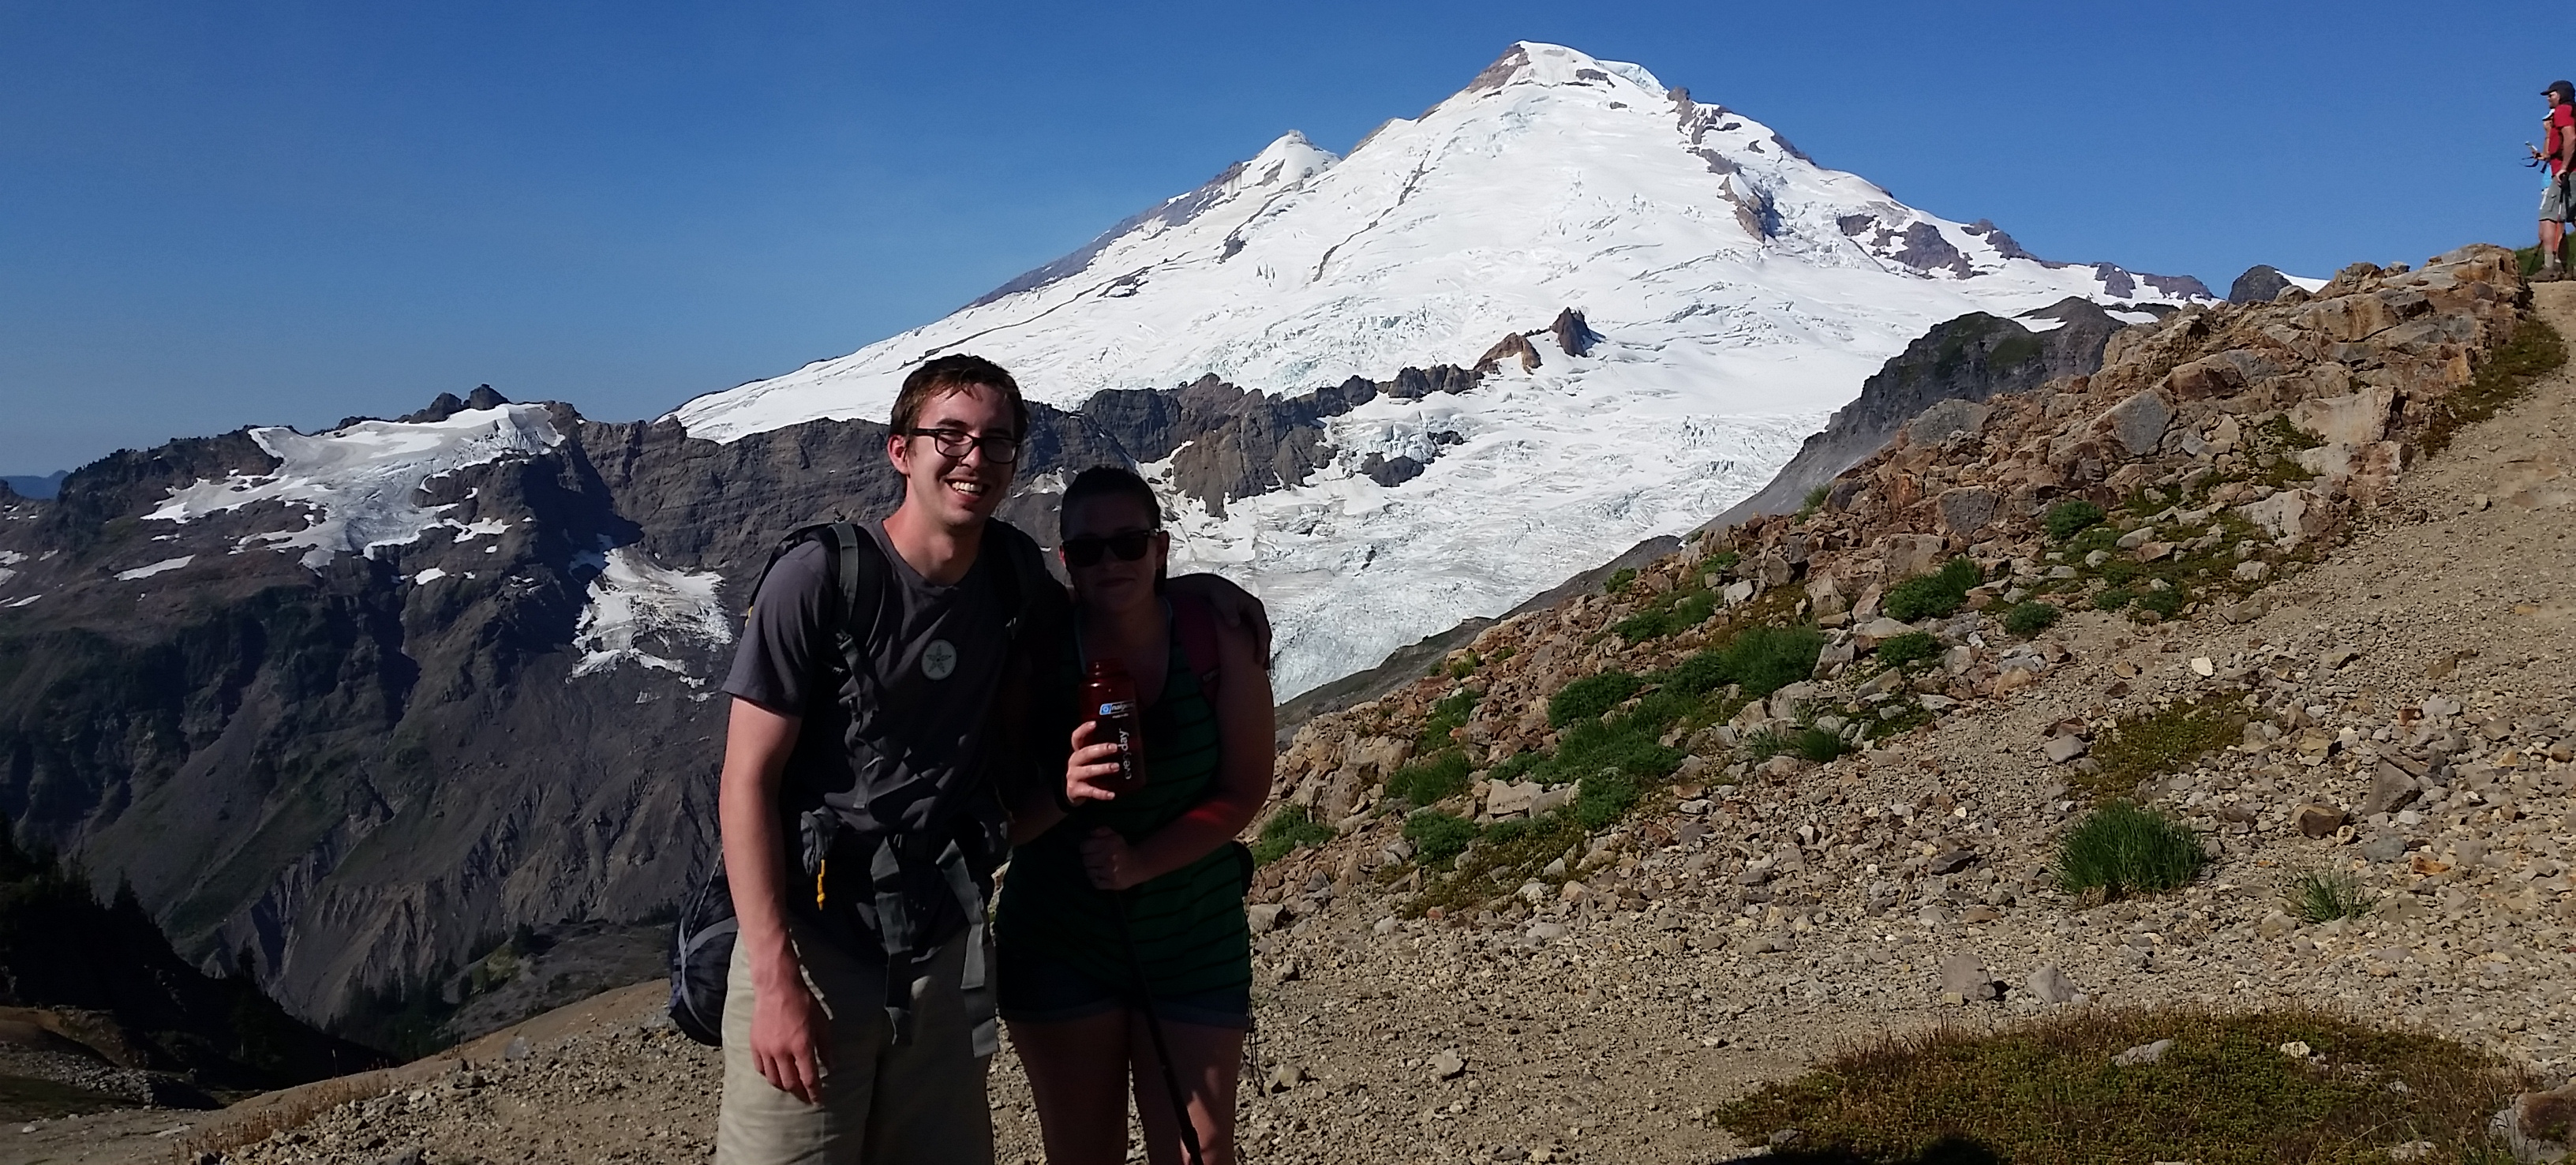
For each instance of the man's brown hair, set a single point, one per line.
(947, 374)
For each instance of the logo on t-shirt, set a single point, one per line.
(939, 659)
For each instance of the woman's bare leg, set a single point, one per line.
(1210, 1059)
(1077, 1072)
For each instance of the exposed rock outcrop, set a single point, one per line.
(2261, 283)
(1954, 366)
(1513, 347)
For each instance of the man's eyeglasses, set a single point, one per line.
(999, 448)
(1086, 551)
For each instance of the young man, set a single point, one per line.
(2558, 149)
(861, 810)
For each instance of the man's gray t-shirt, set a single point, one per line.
(938, 654)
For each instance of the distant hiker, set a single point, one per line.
(1122, 925)
(2557, 148)
(878, 694)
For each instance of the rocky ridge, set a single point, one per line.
(318, 755)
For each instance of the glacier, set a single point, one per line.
(1740, 291)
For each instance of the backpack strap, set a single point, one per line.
(1194, 624)
(1032, 596)
(853, 566)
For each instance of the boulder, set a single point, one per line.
(1906, 555)
(2391, 789)
(1946, 419)
(2319, 820)
(1510, 798)
(2356, 419)
(1964, 975)
(2049, 986)
(2143, 1054)
(2139, 423)
(1966, 511)
(2290, 516)
(2539, 1126)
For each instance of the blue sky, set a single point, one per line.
(279, 213)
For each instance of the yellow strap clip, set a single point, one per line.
(819, 867)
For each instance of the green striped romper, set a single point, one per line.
(1062, 954)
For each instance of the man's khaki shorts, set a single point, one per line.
(2553, 201)
(921, 1102)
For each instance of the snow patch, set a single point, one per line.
(357, 483)
(424, 578)
(25, 601)
(161, 567)
(11, 558)
(2132, 317)
(2302, 282)
(635, 603)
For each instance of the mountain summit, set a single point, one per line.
(1730, 290)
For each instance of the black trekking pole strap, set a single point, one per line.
(1154, 1028)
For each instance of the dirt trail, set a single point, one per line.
(1610, 1037)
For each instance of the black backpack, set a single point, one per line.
(701, 951)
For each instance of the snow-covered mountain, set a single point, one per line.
(1739, 291)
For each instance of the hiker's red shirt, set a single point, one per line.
(2561, 123)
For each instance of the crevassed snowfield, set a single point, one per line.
(635, 602)
(1742, 291)
(356, 483)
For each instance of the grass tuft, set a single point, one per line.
(1934, 595)
(2044, 1092)
(2326, 895)
(1431, 779)
(2121, 849)
(1446, 716)
(1510, 853)
(1763, 659)
(1589, 697)
(2071, 517)
(2029, 618)
(1438, 838)
(2164, 741)
(1669, 616)
(1289, 830)
(1908, 649)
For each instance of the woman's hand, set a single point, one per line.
(1111, 864)
(1089, 765)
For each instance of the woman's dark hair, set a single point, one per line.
(1108, 481)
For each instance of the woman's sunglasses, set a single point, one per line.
(1086, 551)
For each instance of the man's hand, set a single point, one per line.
(787, 1032)
(1089, 765)
(1111, 864)
(1234, 606)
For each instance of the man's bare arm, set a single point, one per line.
(787, 1024)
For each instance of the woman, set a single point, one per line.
(1134, 903)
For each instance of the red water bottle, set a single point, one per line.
(1109, 701)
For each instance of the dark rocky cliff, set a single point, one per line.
(1965, 360)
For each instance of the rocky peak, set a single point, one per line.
(1573, 335)
(2261, 283)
